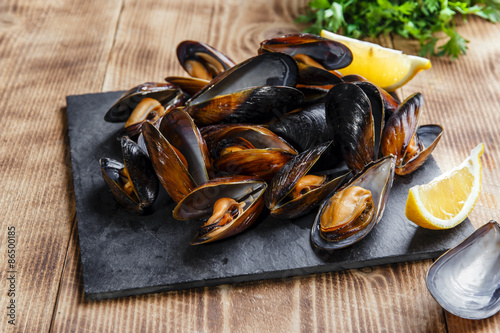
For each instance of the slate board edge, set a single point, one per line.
(275, 275)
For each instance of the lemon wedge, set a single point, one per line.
(387, 68)
(448, 199)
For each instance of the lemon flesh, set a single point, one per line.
(387, 68)
(448, 199)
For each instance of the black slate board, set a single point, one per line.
(124, 255)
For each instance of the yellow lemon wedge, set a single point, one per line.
(387, 68)
(448, 199)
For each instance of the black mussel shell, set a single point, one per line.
(329, 54)
(304, 128)
(348, 111)
(199, 205)
(121, 110)
(201, 60)
(314, 76)
(141, 174)
(253, 105)
(273, 69)
(189, 85)
(401, 127)
(278, 198)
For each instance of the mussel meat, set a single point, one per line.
(352, 212)
(229, 205)
(121, 110)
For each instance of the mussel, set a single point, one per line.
(229, 205)
(310, 48)
(403, 138)
(121, 110)
(356, 115)
(294, 191)
(201, 60)
(247, 150)
(466, 279)
(150, 110)
(252, 91)
(133, 183)
(178, 153)
(354, 210)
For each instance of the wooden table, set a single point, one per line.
(53, 48)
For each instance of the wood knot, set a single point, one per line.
(8, 20)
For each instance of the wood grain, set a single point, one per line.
(48, 49)
(393, 297)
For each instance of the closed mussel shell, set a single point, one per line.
(201, 60)
(327, 53)
(348, 111)
(247, 192)
(121, 110)
(279, 198)
(137, 171)
(377, 178)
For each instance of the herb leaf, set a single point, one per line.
(419, 19)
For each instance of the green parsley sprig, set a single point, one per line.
(420, 19)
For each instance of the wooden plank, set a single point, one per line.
(47, 50)
(370, 300)
(462, 95)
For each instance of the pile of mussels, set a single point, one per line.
(235, 137)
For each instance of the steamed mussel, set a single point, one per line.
(269, 131)
(229, 205)
(178, 153)
(402, 137)
(247, 150)
(133, 183)
(353, 210)
(294, 191)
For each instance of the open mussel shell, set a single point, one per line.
(262, 155)
(466, 279)
(262, 82)
(199, 204)
(327, 53)
(178, 153)
(402, 137)
(350, 114)
(136, 174)
(376, 178)
(150, 110)
(292, 194)
(121, 110)
(426, 139)
(201, 60)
